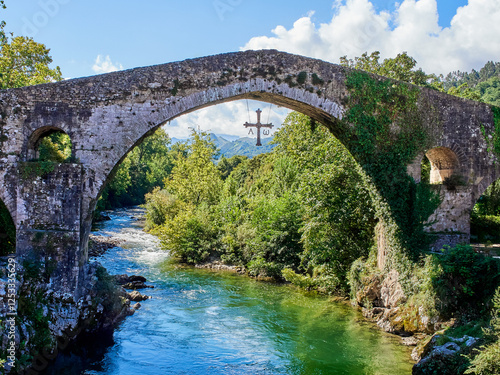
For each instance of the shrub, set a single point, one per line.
(467, 282)
(190, 235)
(160, 207)
(487, 362)
(485, 227)
(259, 267)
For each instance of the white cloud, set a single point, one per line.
(105, 65)
(356, 27)
(227, 118)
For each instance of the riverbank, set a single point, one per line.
(387, 311)
(382, 301)
(220, 323)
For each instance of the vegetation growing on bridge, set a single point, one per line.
(375, 108)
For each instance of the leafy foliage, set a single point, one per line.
(24, 62)
(144, 168)
(55, 147)
(195, 179)
(401, 68)
(277, 211)
(484, 83)
(489, 90)
(227, 165)
(486, 361)
(376, 107)
(467, 282)
(485, 227)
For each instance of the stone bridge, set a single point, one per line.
(106, 116)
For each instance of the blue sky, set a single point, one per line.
(90, 37)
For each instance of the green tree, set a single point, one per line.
(338, 217)
(227, 165)
(490, 91)
(195, 178)
(486, 362)
(24, 62)
(183, 214)
(144, 168)
(464, 91)
(276, 244)
(55, 147)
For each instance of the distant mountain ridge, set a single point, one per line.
(230, 145)
(241, 146)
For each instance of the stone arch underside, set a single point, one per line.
(107, 115)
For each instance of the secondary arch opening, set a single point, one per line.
(441, 165)
(50, 144)
(485, 221)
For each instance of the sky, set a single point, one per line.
(95, 36)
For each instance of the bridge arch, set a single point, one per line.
(149, 116)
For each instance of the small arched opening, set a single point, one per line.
(50, 144)
(441, 166)
(444, 165)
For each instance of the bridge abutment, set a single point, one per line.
(49, 223)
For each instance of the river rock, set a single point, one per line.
(136, 285)
(124, 279)
(220, 266)
(446, 359)
(370, 294)
(136, 296)
(98, 245)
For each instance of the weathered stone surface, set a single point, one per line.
(391, 292)
(432, 357)
(136, 285)
(98, 245)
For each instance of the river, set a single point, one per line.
(202, 322)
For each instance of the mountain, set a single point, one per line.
(230, 145)
(241, 146)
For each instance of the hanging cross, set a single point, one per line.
(258, 125)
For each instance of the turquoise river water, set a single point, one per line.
(202, 322)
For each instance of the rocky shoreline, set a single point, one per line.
(383, 301)
(217, 265)
(98, 245)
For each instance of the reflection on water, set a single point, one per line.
(200, 322)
